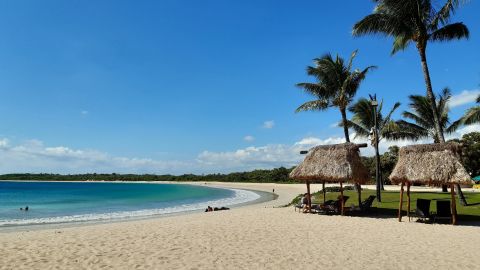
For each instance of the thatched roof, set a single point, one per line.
(430, 164)
(332, 163)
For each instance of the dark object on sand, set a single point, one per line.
(444, 211)
(367, 204)
(210, 209)
(333, 207)
(221, 208)
(423, 209)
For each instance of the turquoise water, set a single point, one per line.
(58, 202)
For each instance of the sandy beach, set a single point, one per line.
(257, 236)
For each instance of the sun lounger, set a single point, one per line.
(444, 211)
(333, 207)
(318, 207)
(367, 204)
(423, 210)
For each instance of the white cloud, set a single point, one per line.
(249, 138)
(465, 97)
(84, 112)
(250, 158)
(32, 156)
(3, 142)
(464, 130)
(312, 141)
(334, 125)
(268, 124)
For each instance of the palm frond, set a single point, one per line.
(454, 126)
(360, 130)
(450, 31)
(472, 116)
(389, 115)
(313, 89)
(379, 23)
(314, 105)
(443, 99)
(400, 43)
(425, 123)
(443, 15)
(413, 129)
(356, 79)
(393, 131)
(350, 61)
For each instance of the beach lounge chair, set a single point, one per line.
(298, 206)
(423, 210)
(319, 207)
(333, 207)
(444, 211)
(367, 204)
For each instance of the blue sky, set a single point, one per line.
(178, 86)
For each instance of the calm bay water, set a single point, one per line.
(57, 202)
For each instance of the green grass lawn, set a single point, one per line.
(391, 199)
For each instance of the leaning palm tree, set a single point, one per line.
(363, 121)
(472, 116)
(423, 118)
(336, 85)
(415, 21)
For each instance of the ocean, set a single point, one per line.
(63, 202)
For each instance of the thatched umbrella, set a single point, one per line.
(333, 164)
(432, 165)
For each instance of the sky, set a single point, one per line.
(189, 86)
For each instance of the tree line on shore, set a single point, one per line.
(470, 159)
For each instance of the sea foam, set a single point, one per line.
(240, 196)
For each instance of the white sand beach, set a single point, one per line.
(252, 237)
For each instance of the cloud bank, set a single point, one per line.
(34, 157)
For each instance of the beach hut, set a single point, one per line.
(431, 165)
(339, 163)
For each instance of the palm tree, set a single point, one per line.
(336, 85)
(415, 21)
(423, 117)
(363, 121)
(472, 116)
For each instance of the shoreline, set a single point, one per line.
(256, 236)
(264, 190)
(262, 197)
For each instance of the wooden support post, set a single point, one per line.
(324, 192)
(359, 192)
(400, 205)
(342, 201)
(408, 203)
(309, 196)
(453, 205)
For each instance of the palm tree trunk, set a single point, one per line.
(430, 95)
(345, 123)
